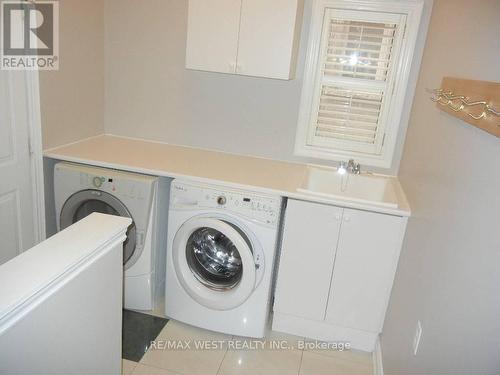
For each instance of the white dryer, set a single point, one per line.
(80, 190)
(220, 257)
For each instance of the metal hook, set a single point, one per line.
(453, 98)
(473, 104)
(446, 96)
(490, 109)
(436, 94)
(482, 115)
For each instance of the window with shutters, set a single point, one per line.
(356, 75)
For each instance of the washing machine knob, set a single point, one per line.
(221, 200)
(97, 182)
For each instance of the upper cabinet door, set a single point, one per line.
(366, 260)
(212, 40)
(307, 256)
(269, 38)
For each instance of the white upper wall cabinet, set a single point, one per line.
(212, 40)
(248, 37)
(359, 59)
(269, 38)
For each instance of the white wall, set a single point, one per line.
(449, 274)
(149, 93)
(72, 98)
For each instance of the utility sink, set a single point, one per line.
(365, 188)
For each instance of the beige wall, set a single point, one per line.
(72, 99)
(150, 94)
(449, 272)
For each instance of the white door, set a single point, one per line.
(267, 40)
(212, 38)
(17, 209)
(307, 257)
(367, 256)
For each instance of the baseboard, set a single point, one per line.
(320, 330)
(378, 368)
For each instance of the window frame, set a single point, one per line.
(410, 11)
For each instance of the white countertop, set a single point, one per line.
(161, 159)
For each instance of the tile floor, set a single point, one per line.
(226, 360)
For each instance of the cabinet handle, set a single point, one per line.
(239, 68)
(347, 219)
(338, 217)
(232, 67)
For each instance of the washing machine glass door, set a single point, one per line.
(214, 262)
(85, 202)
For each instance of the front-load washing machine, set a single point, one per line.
(220, 257)
(80, 190)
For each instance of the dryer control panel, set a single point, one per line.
(254, 206)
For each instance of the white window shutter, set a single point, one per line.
(359, 50)
(348, 115)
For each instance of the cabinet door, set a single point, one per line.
(269, 36)
(366, 260)
(308, 251)
(212, 38)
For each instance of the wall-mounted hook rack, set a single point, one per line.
(476, 102)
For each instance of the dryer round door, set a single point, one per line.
(85, 202)
(214, 262)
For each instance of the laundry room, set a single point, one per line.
(218, 187)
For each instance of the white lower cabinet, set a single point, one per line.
(309, 241)
(336, 272)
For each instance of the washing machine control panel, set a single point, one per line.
(115, 184)
(254, 206)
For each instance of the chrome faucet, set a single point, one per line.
(353, 167)
(350, 167)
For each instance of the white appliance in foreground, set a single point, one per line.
(55, 316)
(81, 190)
(220, 257)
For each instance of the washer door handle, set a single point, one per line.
(140, 239)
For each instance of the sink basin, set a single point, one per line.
(364, 188)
